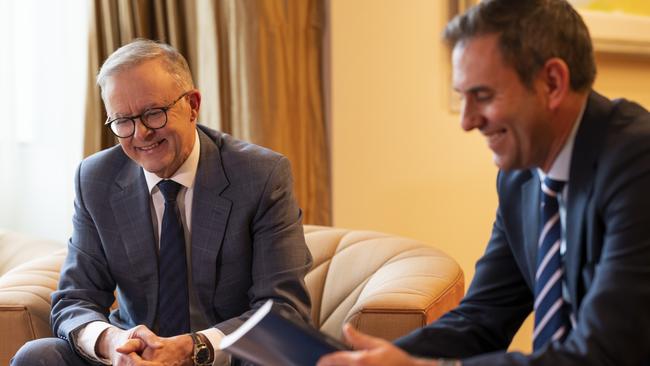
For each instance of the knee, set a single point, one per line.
(44, 351)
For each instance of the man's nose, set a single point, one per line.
(141, 130)
(469, 116)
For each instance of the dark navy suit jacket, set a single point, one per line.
(607, 262)
(247, 241)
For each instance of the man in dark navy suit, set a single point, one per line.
(571, 238)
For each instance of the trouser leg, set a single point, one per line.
(47, 352)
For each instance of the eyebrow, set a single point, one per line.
(474, 89)
(146, 108)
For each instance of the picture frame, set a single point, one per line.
(455, 7)
(617, 32)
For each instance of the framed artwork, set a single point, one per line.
(617, 26)
(455, 7)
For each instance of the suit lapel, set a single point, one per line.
(210, 214)
(589, 139)
(530, 193)
(131, 209)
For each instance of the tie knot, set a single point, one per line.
(169, 189)
(552, 187)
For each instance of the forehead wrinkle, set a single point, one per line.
(135, 89)
(477, 65)
(134, 107)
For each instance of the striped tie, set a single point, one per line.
(551, 318)
(173, 299)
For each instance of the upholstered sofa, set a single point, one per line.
(384, 285)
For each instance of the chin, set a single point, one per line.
(503, 164)
(151, 168)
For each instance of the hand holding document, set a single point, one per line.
(268, 338)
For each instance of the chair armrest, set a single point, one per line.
(25, 302)
(405, 294)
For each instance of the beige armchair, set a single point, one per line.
(29, 271)
(384, 285)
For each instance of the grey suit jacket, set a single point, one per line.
(247, 240)
(607, 263)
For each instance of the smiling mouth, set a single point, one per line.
(494, 138)
(149, 147)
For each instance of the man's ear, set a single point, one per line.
(194, 98)
(557, 81)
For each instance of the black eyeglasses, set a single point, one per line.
(152, 118)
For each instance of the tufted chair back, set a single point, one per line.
(384, 285)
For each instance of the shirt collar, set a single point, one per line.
(186, 174)
(562, 164)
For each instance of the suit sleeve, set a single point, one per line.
(85, 291)
(280, 257)
(497, 302)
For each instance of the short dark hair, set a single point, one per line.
(530, 33)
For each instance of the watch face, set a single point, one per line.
(202, 355)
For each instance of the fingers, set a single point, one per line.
(149, 338)
(340, 358)
(131, 345)
(369, 351)
(135, 360)
(360, 340)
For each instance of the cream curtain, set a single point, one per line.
(258, 64)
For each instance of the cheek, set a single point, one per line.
(520, 137)
(126, 145)
(529, 139)
(176, 141)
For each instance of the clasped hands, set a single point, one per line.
(140, 346)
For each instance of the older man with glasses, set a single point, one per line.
(190, 228)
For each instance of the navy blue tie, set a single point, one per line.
(173, 299)
(551, 317)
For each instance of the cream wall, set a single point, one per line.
(400, 162)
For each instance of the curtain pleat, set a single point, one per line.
(271, 88)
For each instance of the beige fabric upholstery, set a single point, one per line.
(29, 271)
(384, 285)
(17, 248)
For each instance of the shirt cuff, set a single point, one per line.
(214, 335)
(86, 340)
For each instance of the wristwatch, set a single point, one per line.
(202, 354)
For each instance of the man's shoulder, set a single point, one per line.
(629, 120)
(618, 118)
(611, 149)
(107, 162)
(247, 168)
(626, 133)
(235, 152)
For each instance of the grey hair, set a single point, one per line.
(141, 50)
